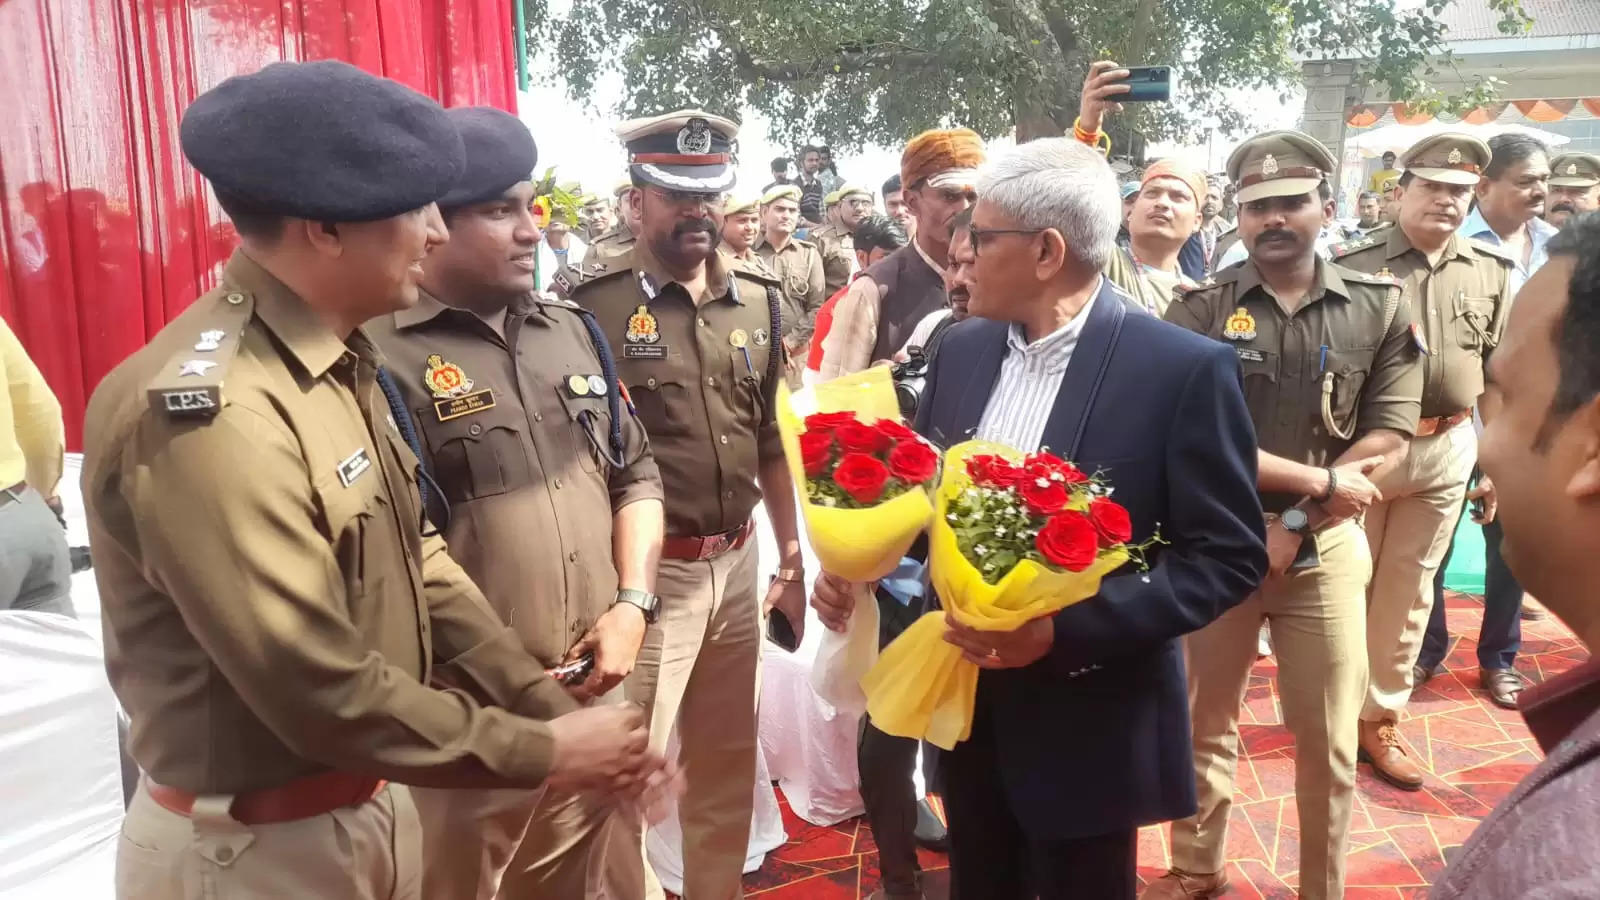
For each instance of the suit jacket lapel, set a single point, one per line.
(1074, 398)
(979, 384)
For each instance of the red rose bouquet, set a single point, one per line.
(865, 482)
(1014, 538)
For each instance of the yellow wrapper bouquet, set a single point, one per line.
(1013, 538)
(866, 481)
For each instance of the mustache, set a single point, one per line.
(1277, 234)
(690, 226)
(1565, 206)
(960, 296)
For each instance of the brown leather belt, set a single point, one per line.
(1432, 425)
(12, 494)
(299, 799)
(710, 546)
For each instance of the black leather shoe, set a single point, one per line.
(1503, 686)
(930, 832)
(1421, 674)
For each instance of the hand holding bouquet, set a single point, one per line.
(866, 481)
(1014, 538)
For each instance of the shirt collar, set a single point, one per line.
(1556, 707)
(1475, 226)
(298, 327)
(1056, 347)
(1325, 280)
(717, 273)
(430, 307)
(1398, 244)
(936, 267)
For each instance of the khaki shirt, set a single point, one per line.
(32, 437)
(1376, 374)
(1461, 304)
(520, 454)
(707, 406)
(271, 607)
(613, 243)
(838, 250)
(798, 267)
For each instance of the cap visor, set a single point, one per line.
(1447, 176)
(1577, 181)
(1278, 187)
(706, 179)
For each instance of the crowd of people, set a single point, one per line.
(425, 494)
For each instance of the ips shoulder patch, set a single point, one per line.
(190, 384)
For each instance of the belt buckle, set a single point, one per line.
(713, 546)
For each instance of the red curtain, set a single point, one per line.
(106, 233)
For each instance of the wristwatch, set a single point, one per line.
(648, 603)
(1295, 520)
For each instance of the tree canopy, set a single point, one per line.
(854, 72)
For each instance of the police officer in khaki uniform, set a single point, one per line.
(1574, 187)
(797, 264)
(834, 239)
(741, 229)
(1332, 378)
(1457, 288)
(515, 403)
(695, 335)
(620, 238)
(272, 607)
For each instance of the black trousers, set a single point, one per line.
(1500, 635)
(992, 857)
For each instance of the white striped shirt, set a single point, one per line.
(1030, 378)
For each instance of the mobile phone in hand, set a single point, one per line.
(1475, 505)
(573, 672)
(1147, 84)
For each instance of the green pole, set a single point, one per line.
(520, 16)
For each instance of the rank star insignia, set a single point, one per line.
(445, 379)
(1269, 165)
(1241, 326)
(196, 367)
(210, 340)
(642, 327)
(1454, 157)
(695, 138)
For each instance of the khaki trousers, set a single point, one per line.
(704, 653)
(367, 852)
(519, 845)
(1409, 532)
(1318, 637)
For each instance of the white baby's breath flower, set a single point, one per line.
(999, 531)
(981, 550)
(1042, 482)
(1056, 476)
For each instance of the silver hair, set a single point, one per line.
(1063, 184)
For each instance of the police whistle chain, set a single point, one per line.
(608, 371)
(427, 488)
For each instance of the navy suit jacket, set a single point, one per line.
(1094, 738)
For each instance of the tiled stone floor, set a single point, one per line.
(1399, 841)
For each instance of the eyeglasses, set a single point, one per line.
(690, 198)
(978, 235)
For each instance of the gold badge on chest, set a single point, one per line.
(453, 388)
(1241, 326)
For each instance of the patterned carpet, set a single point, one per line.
(1399, 841)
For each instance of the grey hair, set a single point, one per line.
(1063, 184)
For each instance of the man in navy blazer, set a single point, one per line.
(1081, 732)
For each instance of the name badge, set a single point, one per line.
(1246, 354)
(464, 405)
(644, 351)
(354, 466)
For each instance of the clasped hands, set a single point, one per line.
(834, 600)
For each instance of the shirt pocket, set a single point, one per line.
(1474, 317)
(664, 405)
(590, 433)
(744, 381)
(478, 455)
(1348, 371)
(350, 515)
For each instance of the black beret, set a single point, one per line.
(322, 140)
(500, 153)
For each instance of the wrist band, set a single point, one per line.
(1333, 485)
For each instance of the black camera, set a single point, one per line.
(909, 378)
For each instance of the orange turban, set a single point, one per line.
(939, 151)
(1171, 168)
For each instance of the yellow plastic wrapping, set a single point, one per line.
(921, 687)
(856, 544)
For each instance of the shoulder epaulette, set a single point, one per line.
(1371, 239)
(1494, 250)
(757, 272)
(1381, 277)
(593, 271)
(190, 384)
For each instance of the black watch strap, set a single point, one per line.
(1333, 485)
